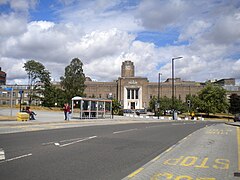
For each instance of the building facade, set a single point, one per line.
(3, 77)
(135, 92)
(131, 91)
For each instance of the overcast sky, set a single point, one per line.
(104, 33)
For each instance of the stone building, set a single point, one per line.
(135, 92)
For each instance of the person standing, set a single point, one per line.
(67, 111)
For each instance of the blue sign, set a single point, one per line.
(8, 89)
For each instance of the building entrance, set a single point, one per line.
(132, 105)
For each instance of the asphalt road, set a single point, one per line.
(94, 152)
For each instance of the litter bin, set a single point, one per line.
(22, 116)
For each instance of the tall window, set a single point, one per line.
(128, 93)
(137, 93)
(132, 93)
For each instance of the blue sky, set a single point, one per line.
(103, 33)
(45, 11)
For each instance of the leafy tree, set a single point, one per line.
(212, 99)
(234, 104)
(152, 104)
(37, 76)
(165, 104)
(73, 79)
(53, 96)
(194, 102)
(116, 106)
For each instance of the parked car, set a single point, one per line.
(128, 111)
(236, 117)
(141, 111)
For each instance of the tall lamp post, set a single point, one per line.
(173, 102)
(159, 81)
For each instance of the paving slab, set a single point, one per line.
(211, 153)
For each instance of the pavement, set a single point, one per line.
(209, 153)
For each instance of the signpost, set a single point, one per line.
(11, 96)
(21, 93)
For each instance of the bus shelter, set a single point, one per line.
(91, 108)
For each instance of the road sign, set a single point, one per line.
(8, 89)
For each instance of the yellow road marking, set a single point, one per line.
(238, 139)
(135, 173)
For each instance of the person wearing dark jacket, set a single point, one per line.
(31, 113)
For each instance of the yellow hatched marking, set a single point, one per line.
(135, 173)
(238, 140)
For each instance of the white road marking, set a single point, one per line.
(66, 140)
(74, 142)
(18, 157)
(57, 144)
(2, 154)
(153, 126)
(47, 143)
(117, 132)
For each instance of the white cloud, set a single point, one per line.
(194, 30)
(12, 25)
(158, 15)
(225, 30)
(103, 35)
(20, 5)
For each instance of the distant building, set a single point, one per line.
(3, 77)
(135, 92)
(131, 91)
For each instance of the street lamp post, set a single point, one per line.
(173, 102)
(159, 81)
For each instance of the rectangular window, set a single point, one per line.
(128, 93)
(132, 93)
(137, 93)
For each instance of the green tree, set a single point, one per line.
(53, 96)
(234, 104)
(165, 104)
(73, 79)
(194, 102)
(213, 99)
(152, 104)
(116, 106)
(37, 76)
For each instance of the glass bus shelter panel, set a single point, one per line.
(85, 105)
(107, 106)
(100, 106)
(93, 106)
(100, 115)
